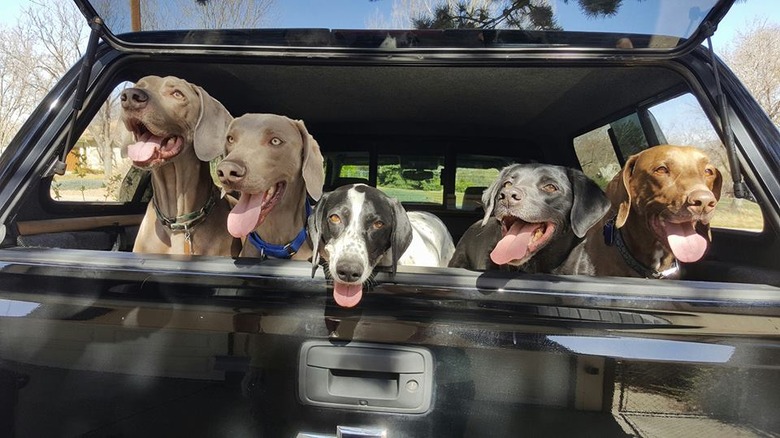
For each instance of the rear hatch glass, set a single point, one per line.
(637, 25)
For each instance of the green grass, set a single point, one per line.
(409, 195)
(430, 197)
(738, 214)
(74, 182)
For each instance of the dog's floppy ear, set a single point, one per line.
(401, 237)
(212, 125)
(312, 167)
(589, 203)
(619, 191)
(717, 185)
(490, 193)
(314, 227)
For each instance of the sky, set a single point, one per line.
(362, 11)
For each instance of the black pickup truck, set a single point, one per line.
(96, 340)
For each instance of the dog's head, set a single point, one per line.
(170, 117)
(671, 191)
(356, 228)
(268, 157)
(538, 203)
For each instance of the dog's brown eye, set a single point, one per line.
(378, 224)
(230, 139)
(335, 219)
(550, 188)
(662, 170)
(709, 172)
(177, 94)
(276, 141)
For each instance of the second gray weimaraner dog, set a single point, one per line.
(273, 162)
(534, 215)
(178, 128)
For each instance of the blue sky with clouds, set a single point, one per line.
(300, 13)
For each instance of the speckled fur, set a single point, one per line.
(416, 238)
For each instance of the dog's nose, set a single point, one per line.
(349, 270)
(701, 201)
(510, 195)
(230, 172)
(133, 98)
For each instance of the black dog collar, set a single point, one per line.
(612, 236)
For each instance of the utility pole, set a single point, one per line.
(135, 15)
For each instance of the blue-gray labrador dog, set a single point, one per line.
(534, 215)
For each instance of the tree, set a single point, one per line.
(204, 14)
(34, 54)
(755, 59)
(508, 14)
(59, 31)
(19, 81)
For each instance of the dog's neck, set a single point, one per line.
(181, 183)
(643, 245)
(288, 217)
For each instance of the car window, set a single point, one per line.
(415, 179)
(474, 174)
(627, 134)
(597, 156)
(680, 120)
(343, 168)
(97, 168)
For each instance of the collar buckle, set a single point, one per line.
(280, 251)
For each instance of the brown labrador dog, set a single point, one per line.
(273, 162)
(662, 204)
(178, 128)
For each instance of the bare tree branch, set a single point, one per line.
(755, 59)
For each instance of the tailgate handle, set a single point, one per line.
(374, 377)
(347, 432)
(359, 432)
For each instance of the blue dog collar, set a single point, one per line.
(281, 251)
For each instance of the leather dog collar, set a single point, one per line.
(280, 251)
(612, 236)
(186, 221)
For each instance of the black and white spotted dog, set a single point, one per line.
(357, 227)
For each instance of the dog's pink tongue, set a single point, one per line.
(687, 245)
(243, 218)
(144, 148)
(347, 295)
(514, 245)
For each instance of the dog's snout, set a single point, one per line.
(349, 271)
(230, 172)
(133, 98)
(701, 201)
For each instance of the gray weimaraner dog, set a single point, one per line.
(357, 227)
(178, 129)
(273, 162)
(662, 204)
(534, 215)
